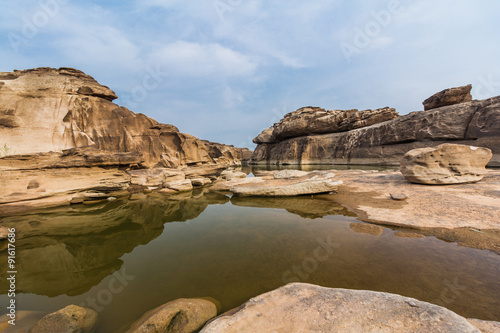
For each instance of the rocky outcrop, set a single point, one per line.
(70, 319)
(475, 123)
(445, 164)
(222, 153)
(289, 184)
(47, 109)
(301, 307)
(448, 97)
(179, 316)
(314, 120)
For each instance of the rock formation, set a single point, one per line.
(70, 319)
(301, 307)
(182, 315)
(448, 97)
(380, 137)
(47, 109)
(69, 143)
(445, 164)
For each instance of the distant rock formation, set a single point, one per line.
(47, 109)
(380, 137)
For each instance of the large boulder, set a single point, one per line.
(179, 316)
(71, 319)
(311, 183)
(445, 164)
(301, 307)
(448, 97)
(47, 109)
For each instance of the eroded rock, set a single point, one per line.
(312, 183)
(448, 97)
(71, 319)
(445, 164)
(301, 307)
(179, 316)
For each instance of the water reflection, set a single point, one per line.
(67, 250)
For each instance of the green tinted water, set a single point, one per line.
(124, 257)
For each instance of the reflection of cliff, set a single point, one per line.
(305, 206)
(68, 250)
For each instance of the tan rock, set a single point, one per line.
(300, 307)
(226, 185)
(475, 123)
(179, 316)
(200, 181)
(312, 183)
(287, 174)
(485, 326)
(179, 185)
(4, 232)
(445, 164)
(64, 108)
(155, 177)
(71, 319)
(24, 321)
(230, 174)
(448, 97)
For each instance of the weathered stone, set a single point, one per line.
(155, 177)
(226, 185)
(314, 120)
(287, 174)
(179, 316)
(65, 108)
(448, 97)
(200, 181)
(300, 307)
(485, 326)
(445, 164)
(227, 154)
(229, 174)
(179, 185)
(474, 123)
(312, 183)
(71, 319)
(399, 196)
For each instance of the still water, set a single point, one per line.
(125, 257)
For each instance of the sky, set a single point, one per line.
(224, 70)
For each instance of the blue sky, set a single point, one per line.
(224, 70)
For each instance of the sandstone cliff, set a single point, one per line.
(380, 137)
(47, 109)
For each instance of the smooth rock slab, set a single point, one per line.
(179, 316)
(486, 326)
(445, 164)
(312, 183)
(71, 319)
(301, 307)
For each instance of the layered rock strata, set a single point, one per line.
(384, 140)
(47, 109)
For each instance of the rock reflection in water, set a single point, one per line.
(311, 207)
(68, 250)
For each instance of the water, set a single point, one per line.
(126, 257)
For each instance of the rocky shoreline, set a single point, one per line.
(74, 146)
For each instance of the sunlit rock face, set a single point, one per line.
(380, 137)
(47, 109)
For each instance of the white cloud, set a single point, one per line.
(201, 60)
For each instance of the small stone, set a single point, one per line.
(4, 232)
(33, 184)
(399, 196)
(72, 318)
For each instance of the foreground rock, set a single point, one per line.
(381, 139)
(448, 97)
(179, 316)
(311, 183)
(486, 326)
(300, 307)
(48, 109)
(71, 319)
(445, 164)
